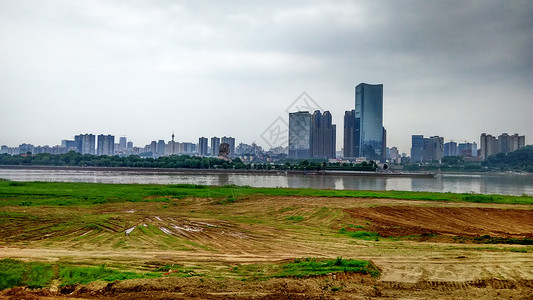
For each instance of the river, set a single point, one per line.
(505, 184)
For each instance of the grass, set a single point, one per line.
(295, 218)
(16, 273)
(360, 234)
(71, 275)
(310, 267)
(76, 194)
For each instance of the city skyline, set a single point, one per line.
(143, 69)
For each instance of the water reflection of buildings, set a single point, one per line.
(363, 183)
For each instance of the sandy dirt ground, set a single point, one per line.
(411, 268)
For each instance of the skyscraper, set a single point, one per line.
(323, 135)
(202, 146)
(160, 148)
(417, 147)
(426, 149)
(349, 134)
(85, 143)
(122, 143)
(490, 145)
(450, 149)
(231, 142)
(106, 145)
(370, 139)
(215, 146)
(300, 135)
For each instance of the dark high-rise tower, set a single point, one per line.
(202, 146)
(349, 134)
(370, 139)
(106, 145)
(215, 146)
(323, 135)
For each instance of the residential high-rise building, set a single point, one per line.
(231, 142)
(202, 146)
(516, 142)
(69, 145)
(490, 145)
(370, 138)
(160, 148)
(426, 149)
(85, 143)
(106, 145)
(433, 149)
(215, 146)
(323, 135)
(300, 135)
(26, 148)
(349, 134)
(450, 148)
(122, 143)
(467, 149)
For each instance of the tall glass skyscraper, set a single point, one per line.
(370, 136)
(300, 135)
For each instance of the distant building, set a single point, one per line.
(203, 150)
(349, 134)
(70, 145)
(426, 149)
(323, 135)
(85, 143)
(488, 145)
(394, 154)
(231, 142)
(122, 143)
(215, 146)
(467, 149)
(505, 143)
(160, 148)
(417, 147)
(26, 148)
(450, 149)
(370, 140)
(106, 145)
(300, 135)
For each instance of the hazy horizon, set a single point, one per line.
(147, 69)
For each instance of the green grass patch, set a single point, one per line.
(295, 218)
(310, 267)
(71, 275)
(360, 234)
(75, 194)
(18, 273)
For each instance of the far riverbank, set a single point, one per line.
(226, 171)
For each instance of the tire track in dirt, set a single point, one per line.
(464, 221)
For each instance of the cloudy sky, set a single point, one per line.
(144, 69)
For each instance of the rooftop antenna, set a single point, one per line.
(173, 135)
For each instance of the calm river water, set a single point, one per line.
(507, 184)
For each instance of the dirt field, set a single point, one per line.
(419, 254)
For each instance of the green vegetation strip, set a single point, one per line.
(37, 275)
(16, 273)
(310, 267)
(74, 194)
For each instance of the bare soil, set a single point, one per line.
(464, 221)
(213, 238)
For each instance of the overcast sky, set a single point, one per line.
(144, 69)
